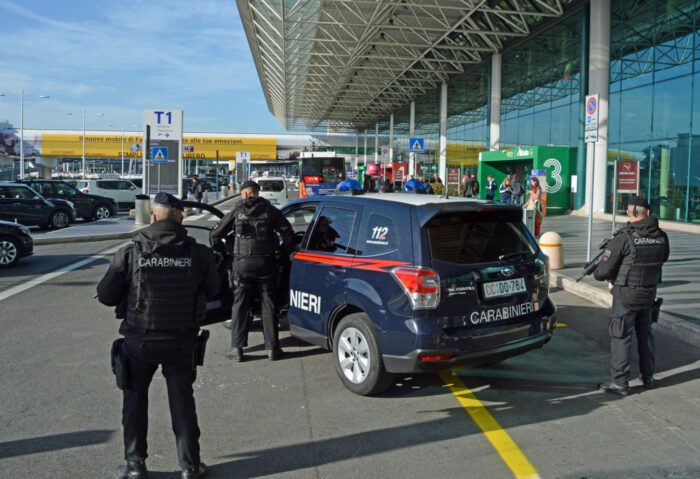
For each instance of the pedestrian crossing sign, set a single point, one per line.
(416, 145)
(159, 154)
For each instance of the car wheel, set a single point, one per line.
(102, 212)
(59, 219)
(9, 252)
(358, 360)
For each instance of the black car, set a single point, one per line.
(89, 207)
(22, 204)
(15, 243)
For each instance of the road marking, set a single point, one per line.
(8, 293)
(562, 325)
(501, 441)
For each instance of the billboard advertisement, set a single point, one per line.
(109, 145)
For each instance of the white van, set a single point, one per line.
(122, 191)
(273, 189)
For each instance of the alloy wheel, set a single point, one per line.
(354, 355)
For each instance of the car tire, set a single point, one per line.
(59, 219)
(9, 252)
(102, 212)
(357, 357)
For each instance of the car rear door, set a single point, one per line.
(320, 271)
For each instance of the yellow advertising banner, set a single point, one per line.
(110, 146)
(463, 155)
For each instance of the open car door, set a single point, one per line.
(219, 306)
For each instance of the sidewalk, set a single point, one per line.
(681, 299)
(120, 227)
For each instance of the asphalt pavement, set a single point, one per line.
(60, 409)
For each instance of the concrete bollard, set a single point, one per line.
(550, 243)
(143, 210)
(224, 191)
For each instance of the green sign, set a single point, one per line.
(557, 161)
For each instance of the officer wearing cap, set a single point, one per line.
(250, 230)
(632, 263)
(159, 284)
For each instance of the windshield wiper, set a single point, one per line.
(513, 255)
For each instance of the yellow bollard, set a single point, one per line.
(550, 243)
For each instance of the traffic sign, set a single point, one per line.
(159, 154)
(165, 124)
(416, 145)
(591, 123)
(385, 152)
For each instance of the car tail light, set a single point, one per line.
(313, 180)
(439, 357)
(422, 285)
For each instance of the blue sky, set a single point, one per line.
(121, 57)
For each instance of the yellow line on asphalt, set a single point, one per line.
(562, 325)
(499, 438)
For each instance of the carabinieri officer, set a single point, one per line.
(159, 284)
(632, 263)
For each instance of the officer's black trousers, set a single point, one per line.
(244, 293)
(624, 322)
(143, 358)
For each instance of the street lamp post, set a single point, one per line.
(83, 142)
(21, 127)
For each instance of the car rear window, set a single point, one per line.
(477, 237)
(271, 185)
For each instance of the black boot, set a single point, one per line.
(236, 354)
(275, 354)
(648, 382)
(196, 472)
(614, 388)
(132, 470)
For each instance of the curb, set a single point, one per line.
(87, 238)
(678, 328)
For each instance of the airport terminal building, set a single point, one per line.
(471, 76)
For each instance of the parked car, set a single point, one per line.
(21, 204)
(273, 189)
(15, 243)
(88, 206)
(122, 191)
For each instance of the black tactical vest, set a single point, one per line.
(254, 235)
(165, 294)
(643, 266)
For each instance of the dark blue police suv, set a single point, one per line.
(406, 283)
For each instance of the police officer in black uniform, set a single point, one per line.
(159, 284)
(632, 263)
(250, 230)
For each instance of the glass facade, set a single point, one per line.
(541, 88)
(654, 109)
(467, 117)
(654, 102)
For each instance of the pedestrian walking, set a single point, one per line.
(506, 191)
(518, 190)
(159, 284)
(470, 187)
(491, 188)
(632, 263)
(198, 192)
(534, 202)
(250, 230)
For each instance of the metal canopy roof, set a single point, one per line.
(344, 64)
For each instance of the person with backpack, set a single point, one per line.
(518, 191)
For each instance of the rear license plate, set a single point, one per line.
(506, 287)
